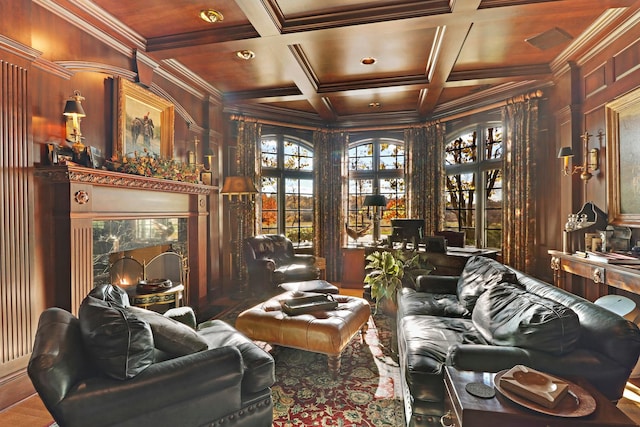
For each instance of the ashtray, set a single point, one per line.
(154, 285)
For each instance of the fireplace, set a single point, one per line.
(93, 214)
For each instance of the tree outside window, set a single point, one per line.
(287, 187)
(376, 166)
(475, 205)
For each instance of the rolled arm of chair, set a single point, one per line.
(215, 372)
(304, 259)
(436, 284)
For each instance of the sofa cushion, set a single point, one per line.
(510, 316)
(479, 274)
(412, 303)
(119, 343)
(169, 335)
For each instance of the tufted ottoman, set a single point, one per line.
(327, 332)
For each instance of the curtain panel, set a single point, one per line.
(328, 190)
(520, 121)
(248, 164)
(424, 174)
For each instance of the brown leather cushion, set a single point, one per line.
(507, 315)
(479, 274)
(170, 335)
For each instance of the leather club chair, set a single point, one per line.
(270, 261)
(225, 380)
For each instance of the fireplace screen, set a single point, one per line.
(115, 239)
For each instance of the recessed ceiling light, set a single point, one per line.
(374, 105)
(245, 54)
(210, 15)
(369, 60)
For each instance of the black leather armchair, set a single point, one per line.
(228, 383)
(271, 260)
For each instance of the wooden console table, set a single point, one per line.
(601, 274)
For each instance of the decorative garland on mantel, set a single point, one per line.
(81, 174)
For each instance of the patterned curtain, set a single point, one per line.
(248, 164)
(520, 121)
(328, 191)
(424, 175)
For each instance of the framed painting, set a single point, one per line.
(623, 159)
(144, 120)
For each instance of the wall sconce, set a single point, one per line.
(73, 111)
(378, 202)
(591, 160)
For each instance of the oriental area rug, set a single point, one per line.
(366, 393)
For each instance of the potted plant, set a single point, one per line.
(388, 271)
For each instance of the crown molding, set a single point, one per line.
(22, 50)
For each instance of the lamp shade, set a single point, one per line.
(565, 152)
(74, 105)
(375, 200)
(240, 185)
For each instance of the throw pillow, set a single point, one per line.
(511, 316)
(169, 335)
(479, 274)
(120, 344)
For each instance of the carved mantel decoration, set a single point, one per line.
(79, 174)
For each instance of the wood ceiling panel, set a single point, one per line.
(336, 60)
(433, 56)
(388, 100)
(502, 43)
(153, 18)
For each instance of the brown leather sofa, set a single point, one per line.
(117, 365)
(271, 260)
(493, 317)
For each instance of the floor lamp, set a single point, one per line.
(240, 190)
(377, 202)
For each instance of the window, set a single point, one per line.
(475, 205)
(287, 187)
(376, 166)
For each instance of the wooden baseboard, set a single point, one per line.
(15, 388)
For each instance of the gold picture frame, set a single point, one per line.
(144, 120)
(623, 160)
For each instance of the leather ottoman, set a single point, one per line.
(324, 331)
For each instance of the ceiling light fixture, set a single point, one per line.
(369, 60)
(211, 16)
(374, 105)
(245, 54)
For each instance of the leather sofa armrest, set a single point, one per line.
(486, 358)
(216, 372)
(436, 284)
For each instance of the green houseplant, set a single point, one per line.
(389, 271)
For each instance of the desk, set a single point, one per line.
(172, 295)
(601, 274)
(448, 263)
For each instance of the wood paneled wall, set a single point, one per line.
(16, 217)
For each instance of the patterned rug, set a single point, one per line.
(366, 393)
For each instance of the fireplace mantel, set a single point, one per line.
(72, 197)
(72, 173)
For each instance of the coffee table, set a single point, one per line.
(324, 331)
(465, 410)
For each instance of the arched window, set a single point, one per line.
(287, 187)
(376, 167)
(473, 193)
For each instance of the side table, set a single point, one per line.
(465, 410)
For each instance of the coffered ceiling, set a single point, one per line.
(432, 57)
